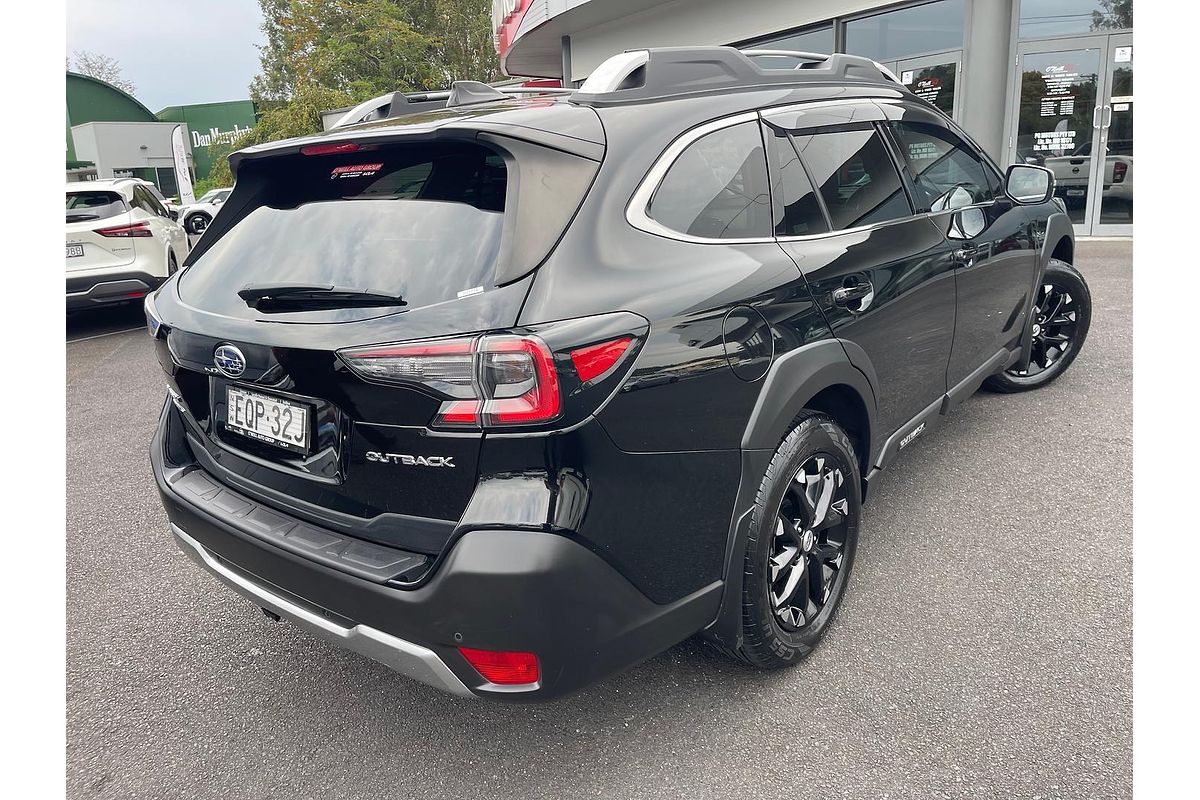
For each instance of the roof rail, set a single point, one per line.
(460, 93)
(661, 72)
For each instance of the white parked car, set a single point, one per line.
(195, 217)
(121, 242)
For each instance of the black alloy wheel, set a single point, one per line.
(800, 545)
(1062, 315)
(197, 224)
(809, 545)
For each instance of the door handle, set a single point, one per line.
(855, 296)
(1107, 120)
(965, 255)
(1096, 116)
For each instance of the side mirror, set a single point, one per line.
(174, 215)
(958, 197)
(1029, 185)
(967, 224)
(216, 201)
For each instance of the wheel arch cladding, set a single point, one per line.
(818, 377)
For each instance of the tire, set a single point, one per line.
(1062, 317)
(806, 464)
(196, 224)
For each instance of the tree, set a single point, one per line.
(1113, 14)
(299, 117)
(101, 67)
(371, 47)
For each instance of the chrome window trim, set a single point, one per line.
(636, 211)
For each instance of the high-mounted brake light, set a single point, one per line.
(504, 668)
(326, 149)
(490, 381)
(595, 360)
(138, 230)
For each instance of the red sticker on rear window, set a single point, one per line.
(355, 171)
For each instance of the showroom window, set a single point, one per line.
(910, 31)
(796, 210)
(938, 164)
(717, 188)
(858, 181)
(1042, 18)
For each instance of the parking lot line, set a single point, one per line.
(101, 335)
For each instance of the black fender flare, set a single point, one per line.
(1058, 227)
(792, 381)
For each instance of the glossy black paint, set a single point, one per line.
(650, 471)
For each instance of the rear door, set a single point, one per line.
(883, 276)
(89, 211)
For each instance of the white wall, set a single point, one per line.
(692, 22)
(117, 145)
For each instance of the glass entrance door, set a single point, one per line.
(933, 78)
(1113, 215)
(1067, 98)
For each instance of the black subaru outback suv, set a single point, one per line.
(511, 394)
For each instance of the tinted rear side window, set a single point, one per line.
(856, 176)
(717, 188)
(89, 206)
(795, 207)
(423, 222)
(939, 162)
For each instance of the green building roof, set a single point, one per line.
(92, 100)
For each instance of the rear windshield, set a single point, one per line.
(93, 205)
(421, 222)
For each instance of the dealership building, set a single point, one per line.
(1035, 81)
(110, 134)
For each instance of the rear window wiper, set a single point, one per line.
(287, 297)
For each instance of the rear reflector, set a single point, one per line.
(137, 229)
(326, 149)
(505, 668)
(596, 360)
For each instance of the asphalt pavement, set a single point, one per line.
(983, 648)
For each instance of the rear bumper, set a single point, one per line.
(492, 589)
(117, 287)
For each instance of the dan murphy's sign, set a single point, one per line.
(211, 124)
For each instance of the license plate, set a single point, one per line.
(74, 250)
(268, 419)
(1076, 192)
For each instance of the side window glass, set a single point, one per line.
(153, 204)
(940, 164)
(796, 210)
(717, 188)
(139, 200)
(855, 175)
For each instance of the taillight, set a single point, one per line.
(502, 667)
(1119, 170)
(137, 229)
(595, 361)
(490, 381)
(518, 381)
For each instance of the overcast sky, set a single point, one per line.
(174, 51)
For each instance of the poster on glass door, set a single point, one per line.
(933, 84)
